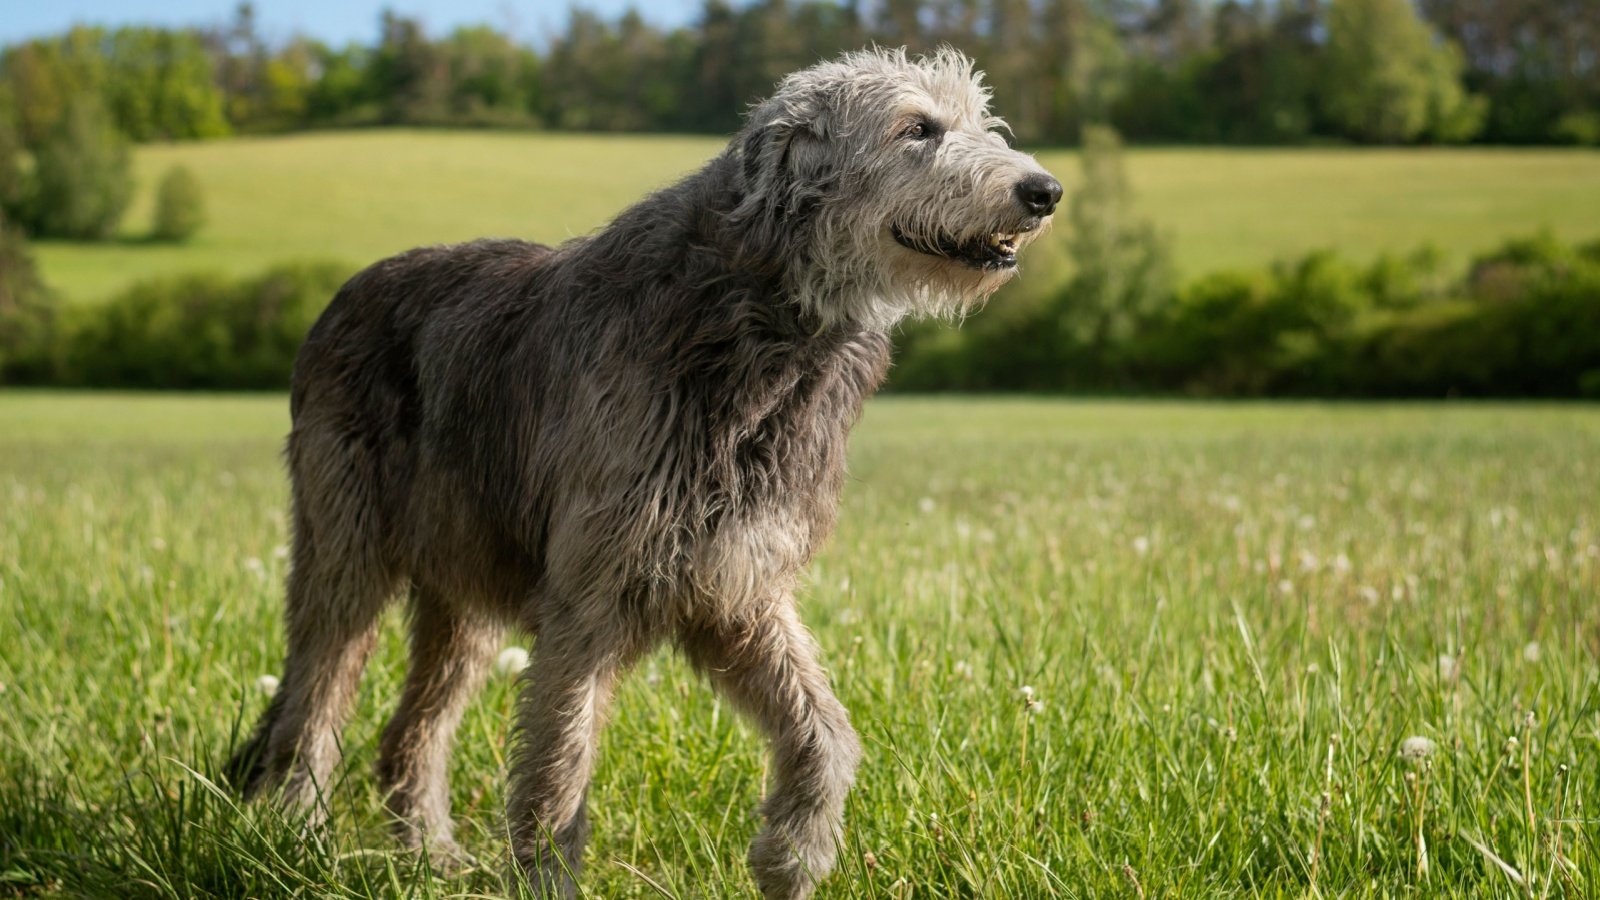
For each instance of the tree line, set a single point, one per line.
(1236, 71)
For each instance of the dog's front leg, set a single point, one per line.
(766, 663)
(564, 695)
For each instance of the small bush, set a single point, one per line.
(198, 331)
(180, 207)
(26, 315)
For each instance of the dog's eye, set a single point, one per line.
(917, 131)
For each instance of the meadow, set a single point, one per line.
(1272, 650)
(354, 197)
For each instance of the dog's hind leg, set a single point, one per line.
(451, 649)
(338, 586)
(767, 665)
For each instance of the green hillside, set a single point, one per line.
(356, 196)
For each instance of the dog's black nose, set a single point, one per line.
(1039, 194)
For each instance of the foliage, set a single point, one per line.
(196, 331)
(157, 83)
(1389, 79)
(1524, 322)
(1167, 70)
(14, 180)
(26, 313)
(82, 176)
(180, 206)
(1120, 265)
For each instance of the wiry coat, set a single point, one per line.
(634, 437)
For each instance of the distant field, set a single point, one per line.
(357, 196)
(1234, 615)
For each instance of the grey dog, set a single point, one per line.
(634, 438)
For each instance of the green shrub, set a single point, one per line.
(26, 315)
(180, 208)
(1523, 321)
(198, 331)
(1582, 128)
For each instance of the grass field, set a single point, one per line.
(358, 196)
(1233, 618)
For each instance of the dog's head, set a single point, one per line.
(885, 187)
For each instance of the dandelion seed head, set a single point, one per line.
(1416, 748)
(1530, 652)
(511, 661)
(267, 684)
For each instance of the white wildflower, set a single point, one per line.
(1141, 545)
(267, 684)
(1416, 749)
(1530, 652)
(926, 505)
(511, 661)
(1030, 703)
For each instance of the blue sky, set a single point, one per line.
(336, 21)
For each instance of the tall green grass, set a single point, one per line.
(1232, 617)
(359, 196)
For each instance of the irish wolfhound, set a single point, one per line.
(635, 437)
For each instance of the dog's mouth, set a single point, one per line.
(993, 251)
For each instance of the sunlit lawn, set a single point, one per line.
(357, 196)
(1232, 617)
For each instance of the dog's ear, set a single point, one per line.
(784, 173)
(790, 149)
(762, 155)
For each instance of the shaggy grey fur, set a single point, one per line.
(637, 437)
